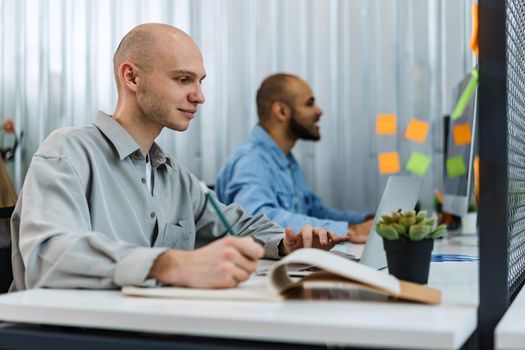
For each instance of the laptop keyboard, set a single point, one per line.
(344, 255)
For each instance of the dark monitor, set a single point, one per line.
(460, 150)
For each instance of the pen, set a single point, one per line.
(215, 206)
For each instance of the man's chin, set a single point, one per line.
(178, 126)
(304, 133)
(311, 137)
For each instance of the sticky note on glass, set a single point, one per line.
(417, 130)
(456, 166)
(462, 134)
(475, 30)
(466, 95)
(418, 163)
(476, 177)
(386, 124)
(388, 163)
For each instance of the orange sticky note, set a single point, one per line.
(417, 130)
(388, 163)
(386, 124)
(475, 30)
(462, 134)
(476, 177)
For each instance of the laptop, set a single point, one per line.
(401, 192)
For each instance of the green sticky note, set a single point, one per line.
(466, 95)
(418, 163)
(456, 166)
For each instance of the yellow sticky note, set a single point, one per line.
(388, 163)
(417, 130)
(462, 134)
(386, 124)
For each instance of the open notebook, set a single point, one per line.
(334, 272)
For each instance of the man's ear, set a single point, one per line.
(281, 111)
(128, 75)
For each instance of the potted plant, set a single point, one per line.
(408, 239)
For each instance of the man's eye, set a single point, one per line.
(184, 80)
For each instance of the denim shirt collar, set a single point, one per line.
(259, 135)
(125, 144)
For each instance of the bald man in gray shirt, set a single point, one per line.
(104, 207)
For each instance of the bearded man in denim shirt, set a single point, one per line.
(263, 176)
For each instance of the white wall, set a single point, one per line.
(361, 57)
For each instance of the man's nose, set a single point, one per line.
(196, 96)
(319, 111)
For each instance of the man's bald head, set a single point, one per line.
(275, 88)
(141, 45)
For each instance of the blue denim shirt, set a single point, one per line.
(262, 179)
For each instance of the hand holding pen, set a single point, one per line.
(223, 263)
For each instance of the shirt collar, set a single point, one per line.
(158, 157)
(124, 143)
(283, 161)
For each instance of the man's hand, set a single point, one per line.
(309, 237)
(358, 233)
(222, 264)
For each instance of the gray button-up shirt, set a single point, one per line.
(85, 217)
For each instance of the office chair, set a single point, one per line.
(6, 271)
(8, 153)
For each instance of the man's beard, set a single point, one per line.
(300, 131)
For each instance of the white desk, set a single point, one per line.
(510, 332)
(350, 323)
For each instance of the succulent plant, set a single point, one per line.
(410, 226)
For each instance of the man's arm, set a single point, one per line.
(249, 182)
(358, 224)
(221, 264)
(225, 262)
(231, 260)
(54, 241)
(317, 209)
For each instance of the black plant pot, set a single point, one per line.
(409, 260)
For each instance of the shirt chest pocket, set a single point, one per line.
(179, 234)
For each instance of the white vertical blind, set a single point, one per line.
(361, 57)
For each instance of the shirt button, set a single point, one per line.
(152, 214)
(143, 180)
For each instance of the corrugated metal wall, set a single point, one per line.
(361, 57)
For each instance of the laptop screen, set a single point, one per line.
(401, 192)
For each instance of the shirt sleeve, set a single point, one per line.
(248, 182)
(209, 227)
(317, 209)
(56, 243)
